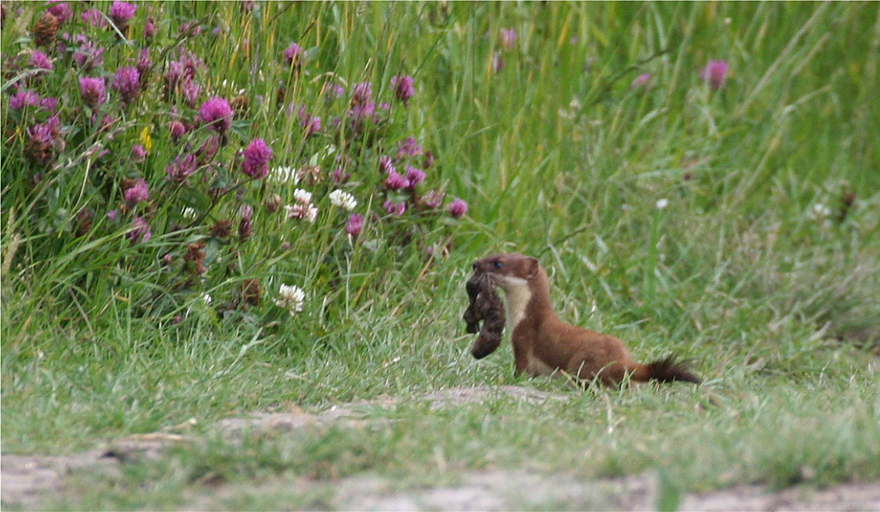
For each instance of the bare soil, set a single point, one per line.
(28, 481)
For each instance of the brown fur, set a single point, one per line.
(485, 306)
(542, 343)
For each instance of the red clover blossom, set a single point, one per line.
(92, 90)
(714, 73)
(217, 113)
(140, 231)
(138, 192)
(458, 208)
(256, 158)
(355, 224)
(403, 88)
(127, 83)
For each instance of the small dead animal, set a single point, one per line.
(486, 307)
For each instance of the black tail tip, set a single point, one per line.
(670, 369)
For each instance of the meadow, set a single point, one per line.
(214, 209)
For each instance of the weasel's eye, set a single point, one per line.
(498, 264)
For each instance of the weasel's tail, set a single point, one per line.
(667, 369)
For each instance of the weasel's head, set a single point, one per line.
(509, 271)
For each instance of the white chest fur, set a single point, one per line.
(518, 294)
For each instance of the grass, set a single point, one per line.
(557, 156)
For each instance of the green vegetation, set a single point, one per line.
(762, 268)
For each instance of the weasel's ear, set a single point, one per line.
(532, 268)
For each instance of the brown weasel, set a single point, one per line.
(543, 344)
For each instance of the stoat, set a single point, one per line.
(544, 344)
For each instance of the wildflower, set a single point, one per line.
(40, 60)
(303, 209)
(121, 13)
(127, 83)
(394, 208)
(458, 208)
(403, 88)
(250, 291)
(43, 141)
(385, 165)
(290, 297)
(414, 176)
(342, 199)
(508, 38)
(84, 221)
(61, 11)
(433, 199)
(302, 196)
(395, 181)
(194, 259)
(144, 64)
(662, 203)
(45, 30)
(222, 228)
(188, 213)
(177, 129)
(49, 104)
(409, 147)
(112, 214)
(138, 153)
(217, 114)
(429, 160)
(311, 124)
(24, 98)
(94, 18)
(246, 211)
(88, 55)
(256, 157)
(92, 90)
(362, 93)
(206, 153)
(641, 81)
(335, 91)
(714, 73)
(284, 174)
(245, 229)
(355, 224)
(149, 28)
(140, 231)
(293, 55)
(207, 299)
(362, 111)
(819, 211)
(138, 192)
(190, 29)
(272, 203)
(190, 91)
(181, 168)
(339, 176)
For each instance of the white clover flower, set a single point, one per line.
(189, 213)
(302, 211)
(302, 196)
(342, 199)
(290, 297)
(311, 213)
(284, 174)
(207, 299)
(819, 211)
(662, 203)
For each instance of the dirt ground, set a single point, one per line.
(30, 480)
